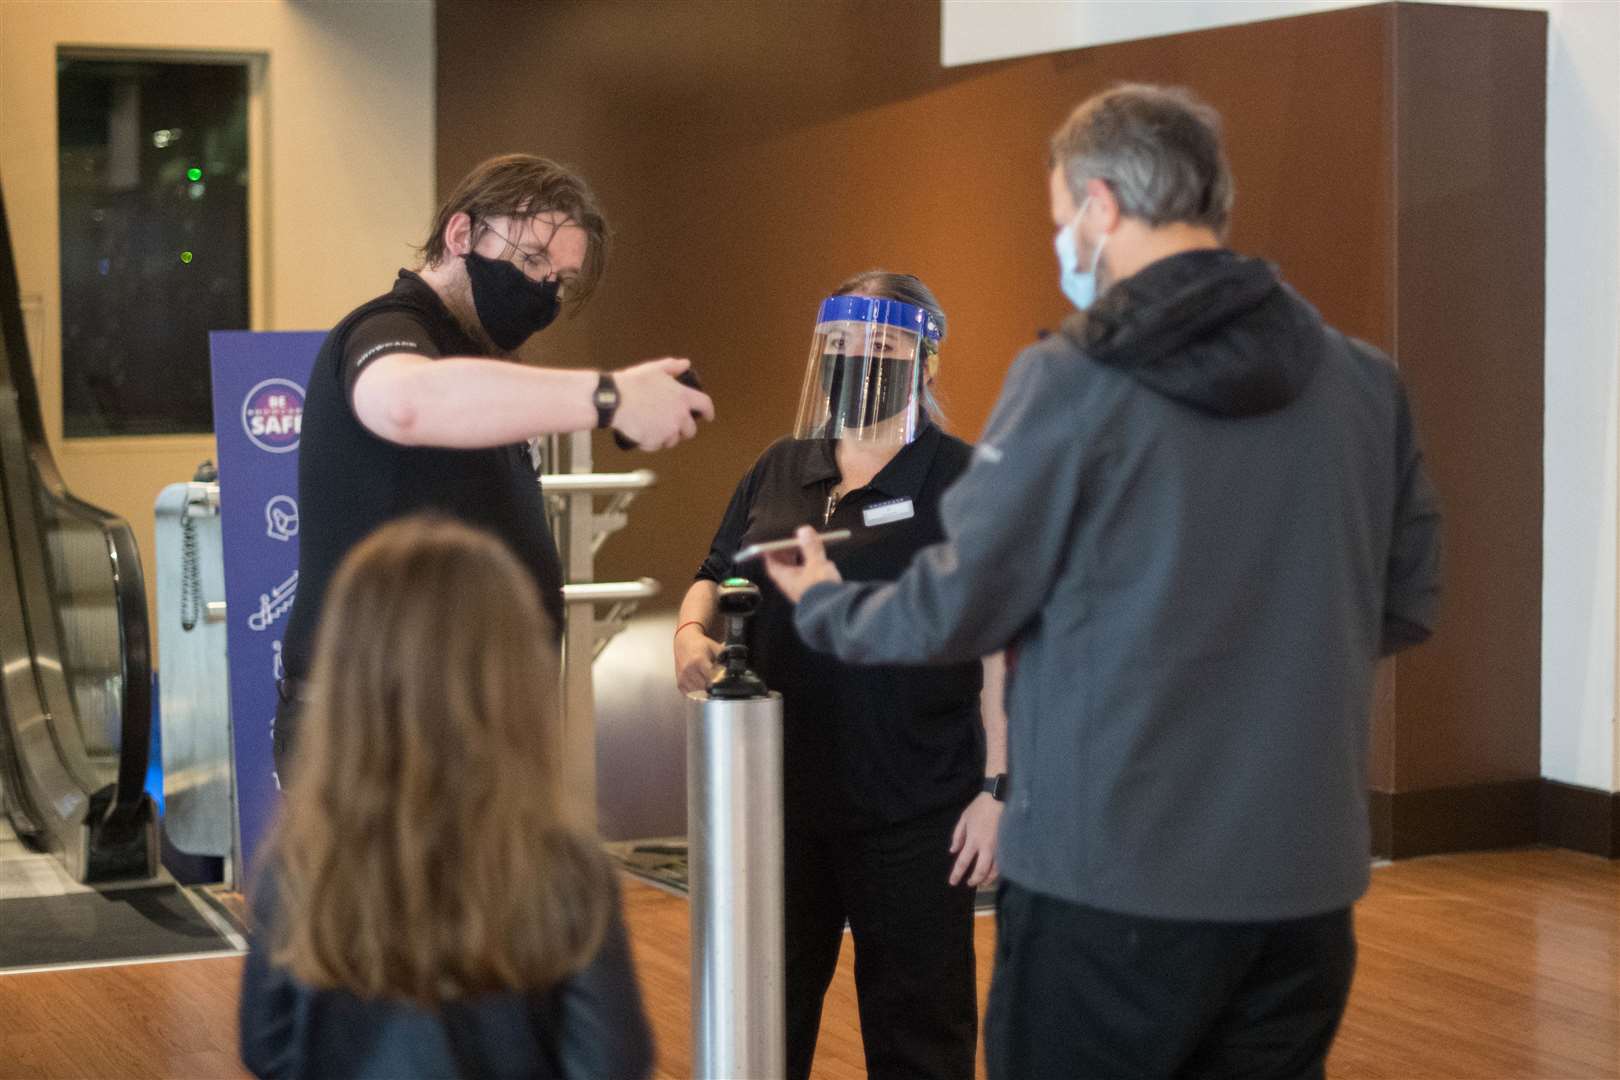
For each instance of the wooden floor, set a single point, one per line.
(1475, 966)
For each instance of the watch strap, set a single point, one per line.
(996, 787)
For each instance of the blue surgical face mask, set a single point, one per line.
(1080, 288)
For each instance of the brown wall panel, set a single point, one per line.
(1470, 91)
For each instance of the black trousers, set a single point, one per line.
(913, 931)
(1079, 992)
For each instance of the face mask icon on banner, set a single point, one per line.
(281, 518)
(1080, 288)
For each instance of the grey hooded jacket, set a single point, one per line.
(1198, 517)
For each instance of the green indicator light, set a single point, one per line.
(735, 581)
(194, 174)
(185, 257)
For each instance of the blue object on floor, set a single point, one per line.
(154, 758)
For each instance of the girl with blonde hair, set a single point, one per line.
(429, 905)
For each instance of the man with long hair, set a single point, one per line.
(414, 403)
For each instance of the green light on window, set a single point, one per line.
(185, 257)
(194, 174)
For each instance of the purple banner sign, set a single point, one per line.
(259, 381)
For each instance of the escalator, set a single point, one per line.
(75, 656)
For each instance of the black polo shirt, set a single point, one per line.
(862, 746)
(350, 481)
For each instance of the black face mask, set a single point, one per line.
(511, 307)
(869, 411)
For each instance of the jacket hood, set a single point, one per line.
(1210, 328)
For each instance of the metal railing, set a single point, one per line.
(581, 527)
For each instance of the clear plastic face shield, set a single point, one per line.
(864, 380)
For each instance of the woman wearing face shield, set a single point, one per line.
(891, 775)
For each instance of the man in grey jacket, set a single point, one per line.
(1197, 519)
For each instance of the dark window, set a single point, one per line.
(153, 178)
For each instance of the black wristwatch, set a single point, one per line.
(606, 400)
(996, 786)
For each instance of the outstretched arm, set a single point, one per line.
(467, 402)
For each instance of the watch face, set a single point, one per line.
(606, 397)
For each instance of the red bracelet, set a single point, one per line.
(691, 622)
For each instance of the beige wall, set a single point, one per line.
(342, 158)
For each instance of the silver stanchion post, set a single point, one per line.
(734, 848)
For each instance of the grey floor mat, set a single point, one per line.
(105, 927)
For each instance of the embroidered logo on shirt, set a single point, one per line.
(885, 512)
(388, 346)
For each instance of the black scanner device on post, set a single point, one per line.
(738, 600)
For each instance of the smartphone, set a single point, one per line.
(765, 547)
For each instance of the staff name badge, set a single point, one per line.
(885, 513)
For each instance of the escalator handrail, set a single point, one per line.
(128, 581)
(57, 776)
(135, 652)
(18, 800)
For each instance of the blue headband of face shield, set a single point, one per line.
(879, 310)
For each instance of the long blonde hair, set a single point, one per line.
(426, 850)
